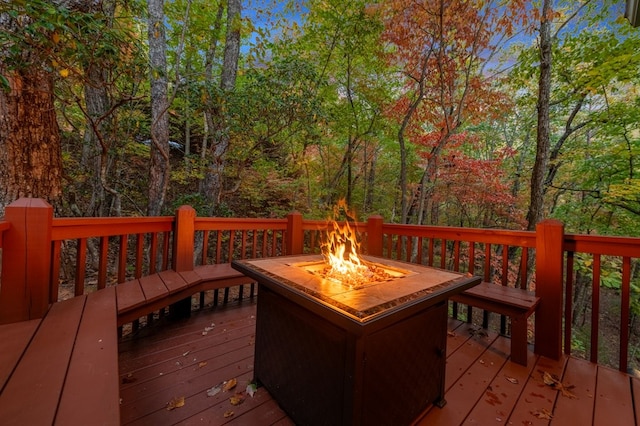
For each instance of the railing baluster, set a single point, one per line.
(55, 271)
(205, 247)
(139, 250)
(102, 262)
(122, 258)
(624, 312)
(595, 307)
(81, 261)
(153, 252)
(218, 246)
(568, 303)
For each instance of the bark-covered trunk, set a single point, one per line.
(30, 148)
(98, 133)
(159, 169)
(536, 204)
(213, 182)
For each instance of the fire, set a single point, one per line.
(340, 252)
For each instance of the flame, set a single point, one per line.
(341, 248)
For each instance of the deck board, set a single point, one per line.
(41, 372)
(483, 386)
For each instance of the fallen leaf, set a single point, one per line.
(451, 334)
(175, 403)
(228, 385)
(237, 398)
(548, 379)
(214, 390)
(228, 414)
(555, 383)
(512, 380)
(186, 353)
(543, 414)
(252, 388)
(202, 364)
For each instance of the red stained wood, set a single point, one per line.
(153, 288)
(473, 382)
(516, 303)
(94, 361)
(501, 396)
(32, 393)
(27, 264)
(580, 377)
(15, 338)
(129, 295)
(536, 397)
(479, 388)
(613, 399)
(173, 280)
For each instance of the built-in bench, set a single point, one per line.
(517, 304)
(62, 368)
(148, 294)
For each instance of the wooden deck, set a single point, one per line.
(183, 360)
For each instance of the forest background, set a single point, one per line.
(477, 113)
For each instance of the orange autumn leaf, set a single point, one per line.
(175, 403)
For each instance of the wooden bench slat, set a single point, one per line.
(94, 361)
(217, 271)
(516, 297)
(153, 288)
(129, 295)
(172, 280)
(32, 393)
(14, 337)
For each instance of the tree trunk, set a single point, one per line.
(30, 147)
(213, 182)
(536, 204)
(159, 169)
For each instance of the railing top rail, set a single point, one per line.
(238, 224)
(478, 235)
(321, 225)
(603, 245)
(71, 228)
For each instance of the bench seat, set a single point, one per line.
(143, 296)
(47, 364)
(517, 304)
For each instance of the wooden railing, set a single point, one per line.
(112, 250)
(93, 253)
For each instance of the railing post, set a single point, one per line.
(374, 235)
(26, 260)
(549, 279)
(295, 235)
(183, 239)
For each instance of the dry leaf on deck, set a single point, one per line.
(228, 385)
(552, 381)
(214, 390)
(543, 414)
(175, 403)
(512, 380)
(237, 399)
(228, 414)
(202, 364)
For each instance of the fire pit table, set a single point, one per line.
(334, 354)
